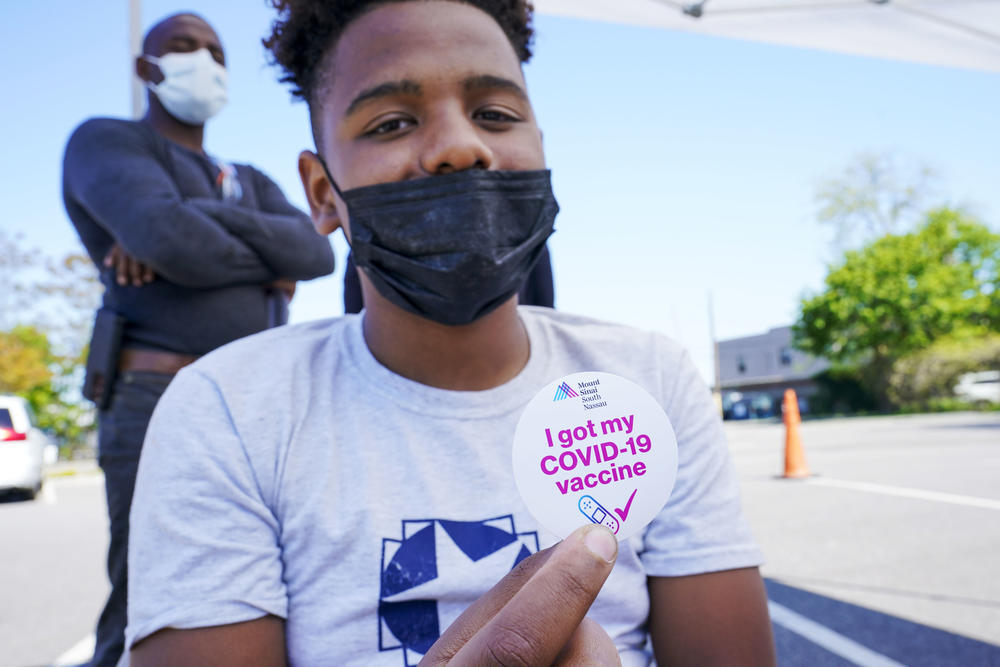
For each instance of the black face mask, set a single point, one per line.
(451, 248)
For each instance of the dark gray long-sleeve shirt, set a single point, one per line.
(124, 182)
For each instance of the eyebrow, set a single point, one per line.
(188, 41)
(179, 39)
(401, 87)
(488, 81)
(410, 87)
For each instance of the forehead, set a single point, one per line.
(419, 40)
(183, 27)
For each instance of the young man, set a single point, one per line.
(193, 252)
(353, 491)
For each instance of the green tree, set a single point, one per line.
(46, 310)
(926, 379)
(30, 368)
(25, 360)
(17, 265)
(900, 293)
(70, 292)
(877, 194)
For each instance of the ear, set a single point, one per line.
(147, 71)
(322, 199)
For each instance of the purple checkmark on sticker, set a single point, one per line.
(624, 513)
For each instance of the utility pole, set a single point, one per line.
(134, 49)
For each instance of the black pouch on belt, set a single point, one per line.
(102, 361)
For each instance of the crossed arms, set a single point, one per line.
(114, 177)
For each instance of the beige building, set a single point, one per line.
(755, 371)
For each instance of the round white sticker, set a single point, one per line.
(594, 447)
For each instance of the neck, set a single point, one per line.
(189, 136)
(471, 357)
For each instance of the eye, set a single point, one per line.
(389, 126)
(497, 117)
(181, 45)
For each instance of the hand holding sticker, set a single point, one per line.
(594, 447)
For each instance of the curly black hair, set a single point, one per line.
(306, 29)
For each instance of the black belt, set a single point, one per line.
(153, 361)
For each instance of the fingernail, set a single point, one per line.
(602, 543)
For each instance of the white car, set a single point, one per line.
(979, 387)
(24, 449)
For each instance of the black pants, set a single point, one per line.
(121, 429)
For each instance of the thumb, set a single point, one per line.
(543, 615)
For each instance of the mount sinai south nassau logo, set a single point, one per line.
(564, 391)
(435, 571)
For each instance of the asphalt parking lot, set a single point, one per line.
(892, 542)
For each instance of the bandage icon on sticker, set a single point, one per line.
(594, 511)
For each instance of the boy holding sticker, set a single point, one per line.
(341, 492)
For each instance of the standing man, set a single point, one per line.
(193, 252)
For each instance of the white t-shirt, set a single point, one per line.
(289, 473)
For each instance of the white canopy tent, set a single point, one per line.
(954, 33)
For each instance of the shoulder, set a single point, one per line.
(93, 128)
(250, 169)
(255, 174)
(250, 174)
(259, 389)
(589, 333)
(659, 364)
(274, 358)
(97, 136)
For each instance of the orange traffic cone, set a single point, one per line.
(795, 457)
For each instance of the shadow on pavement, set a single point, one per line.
(900, 640)
(986, 425)
(15, 497)
(897, 592)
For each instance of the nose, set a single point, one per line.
(454, 144)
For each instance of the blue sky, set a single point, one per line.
(683, 164)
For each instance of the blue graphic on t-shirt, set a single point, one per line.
(436, 570)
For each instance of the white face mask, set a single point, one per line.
(193, 87)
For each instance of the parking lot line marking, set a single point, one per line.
(77, 480)
(903, 492)
(81, 652)
(824, 637)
